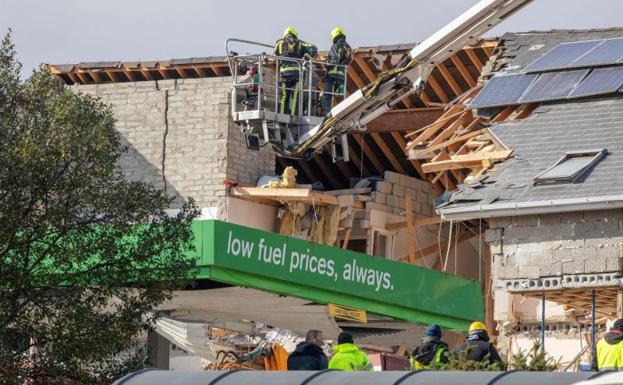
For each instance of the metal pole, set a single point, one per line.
(593, 350)
(543, 321)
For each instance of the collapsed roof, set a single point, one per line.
(550, 135)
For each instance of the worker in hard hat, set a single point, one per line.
(290, 72)
(348, 356)
(477, 347)
(432, 353)
(340, 56)
(610, 348)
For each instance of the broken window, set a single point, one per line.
(571, 168)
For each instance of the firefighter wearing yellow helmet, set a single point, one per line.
(477, 346)
(340, 56)
(290, 46)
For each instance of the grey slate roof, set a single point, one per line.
(540, 140)
(552, 130)
(521, 49)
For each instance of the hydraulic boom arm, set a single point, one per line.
(371, 101)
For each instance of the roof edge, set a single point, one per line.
(511, 209)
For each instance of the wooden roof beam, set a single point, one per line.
(405, 120)
(356, 160)
(447, 76)
(467, 76)
(379, 168)
(393, 160)
(473, 57)
(434, 84)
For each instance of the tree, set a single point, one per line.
(85, 255)
(534, 360)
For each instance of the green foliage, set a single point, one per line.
(84, 254)
(460, 362)
(534, 360)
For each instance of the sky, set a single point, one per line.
(71, 31)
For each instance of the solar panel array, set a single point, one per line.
(553, 85)
(503, 90)
(559, 75)
(600, 81)
(579, 54)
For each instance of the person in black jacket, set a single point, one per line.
(340, 55)
(432, 353)
(308, 354)
(477, 346)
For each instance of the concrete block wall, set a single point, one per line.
(180, 136)
(390, 194)
(580, 249)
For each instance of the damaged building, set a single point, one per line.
(491, 194)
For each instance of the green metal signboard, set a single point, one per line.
(253, 258)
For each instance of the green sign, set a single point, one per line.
(248, 257)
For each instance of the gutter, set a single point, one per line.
(511, 209)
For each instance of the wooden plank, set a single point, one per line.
(415, 222)
(452, 128)
(405, 119)
(419, 153)
(346, 238)
(447, 76)
(467, 76)
(388, 153)
(434, 84)
(283, 195)
(369, 153)
(217, 70)
(475, 59)
(457, 162)
(428, 131)
(410, 230)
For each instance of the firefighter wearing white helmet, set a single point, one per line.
(291, 46)
(340, 56)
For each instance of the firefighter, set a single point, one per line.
(610, 348)
(290, 71)
(477, 346)
(348, 356)
(432, 353)
(340, 55)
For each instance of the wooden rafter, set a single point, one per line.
(389, 154)
(369, 153)
(467, 76)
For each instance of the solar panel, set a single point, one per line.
(609, 52)
(600, 81)
(553, 85)
(502, 90)
(562, 55)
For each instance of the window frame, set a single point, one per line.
(598, 156)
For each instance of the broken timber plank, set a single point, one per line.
(410, 230)
(283, 195)
(457, 162)
(413, 154)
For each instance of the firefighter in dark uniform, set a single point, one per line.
(290, 71)
(340, 55)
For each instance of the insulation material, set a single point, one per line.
(292, 219)
(317, 228)
(288, 179)
(331, 225)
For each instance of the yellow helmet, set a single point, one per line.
(337, 31)
(476, 325)
(290, 31)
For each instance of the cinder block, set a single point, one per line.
(378, 206)
(527, 220)
(378, 197)
(398, 190)
(550, 269)
(573, 267)
(528, 271)
(595, 265)
(391, 177)
(493, 235)
(613, 264)
(384, 187)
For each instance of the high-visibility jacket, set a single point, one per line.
(296, 49)
(432, 354)
(349, 357)
(340, 54)
(610, 351)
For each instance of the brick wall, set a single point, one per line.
(557, 250)
(180, 137)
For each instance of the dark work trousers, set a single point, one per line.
(289, 91)
(332, 87)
